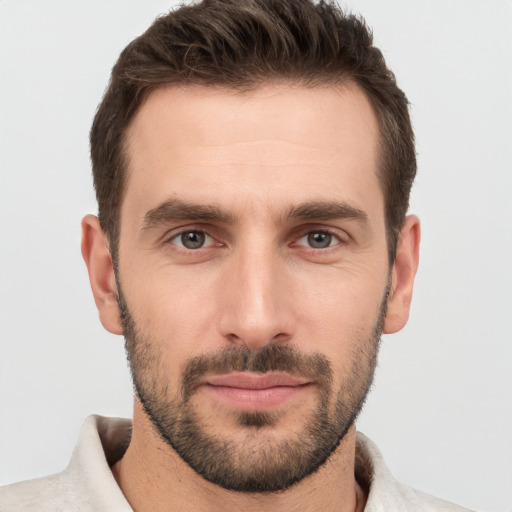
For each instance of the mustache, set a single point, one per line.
(270, 358)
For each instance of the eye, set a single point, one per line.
(192, 239)
(318, 240)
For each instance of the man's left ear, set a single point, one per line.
(402, 275)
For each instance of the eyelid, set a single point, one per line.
(341, 236)
(209, 240)
(170, 236)
(219, 239)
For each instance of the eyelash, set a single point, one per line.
(296, 239)
(321, 231)
(172, 239)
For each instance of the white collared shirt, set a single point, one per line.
(88, 485)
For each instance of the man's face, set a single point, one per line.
(253, 274)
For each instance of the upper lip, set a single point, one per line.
(247, 380)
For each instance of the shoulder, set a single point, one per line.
(422, 502)
(48, 493)
(87, 484)
(385, 494)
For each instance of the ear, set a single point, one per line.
(402, 275)
(96, 254)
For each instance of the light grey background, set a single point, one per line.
(441, 409)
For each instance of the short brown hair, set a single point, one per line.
(241, 44)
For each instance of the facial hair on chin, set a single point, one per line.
(251, 467)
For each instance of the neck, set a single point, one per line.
(154, 478)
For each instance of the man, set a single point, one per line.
(252, 162)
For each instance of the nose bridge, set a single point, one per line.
(255, 307)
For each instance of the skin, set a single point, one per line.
(255, 156)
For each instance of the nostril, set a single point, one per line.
(250, 340)
(234, 338)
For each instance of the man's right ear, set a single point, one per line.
(98, 259)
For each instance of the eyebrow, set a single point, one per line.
(327, 210)
(174, 210)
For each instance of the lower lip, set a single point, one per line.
(256, 399)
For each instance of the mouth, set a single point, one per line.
(256, 392)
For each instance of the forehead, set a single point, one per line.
(274, 144)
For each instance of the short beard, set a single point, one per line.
(258, 465)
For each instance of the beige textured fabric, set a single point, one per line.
(87, 484)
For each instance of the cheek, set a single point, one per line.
(173, 308)
(339, 318)
(171, 325)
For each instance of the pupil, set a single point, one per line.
(192, 239)
(319, 240)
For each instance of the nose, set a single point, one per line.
(256, 299)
